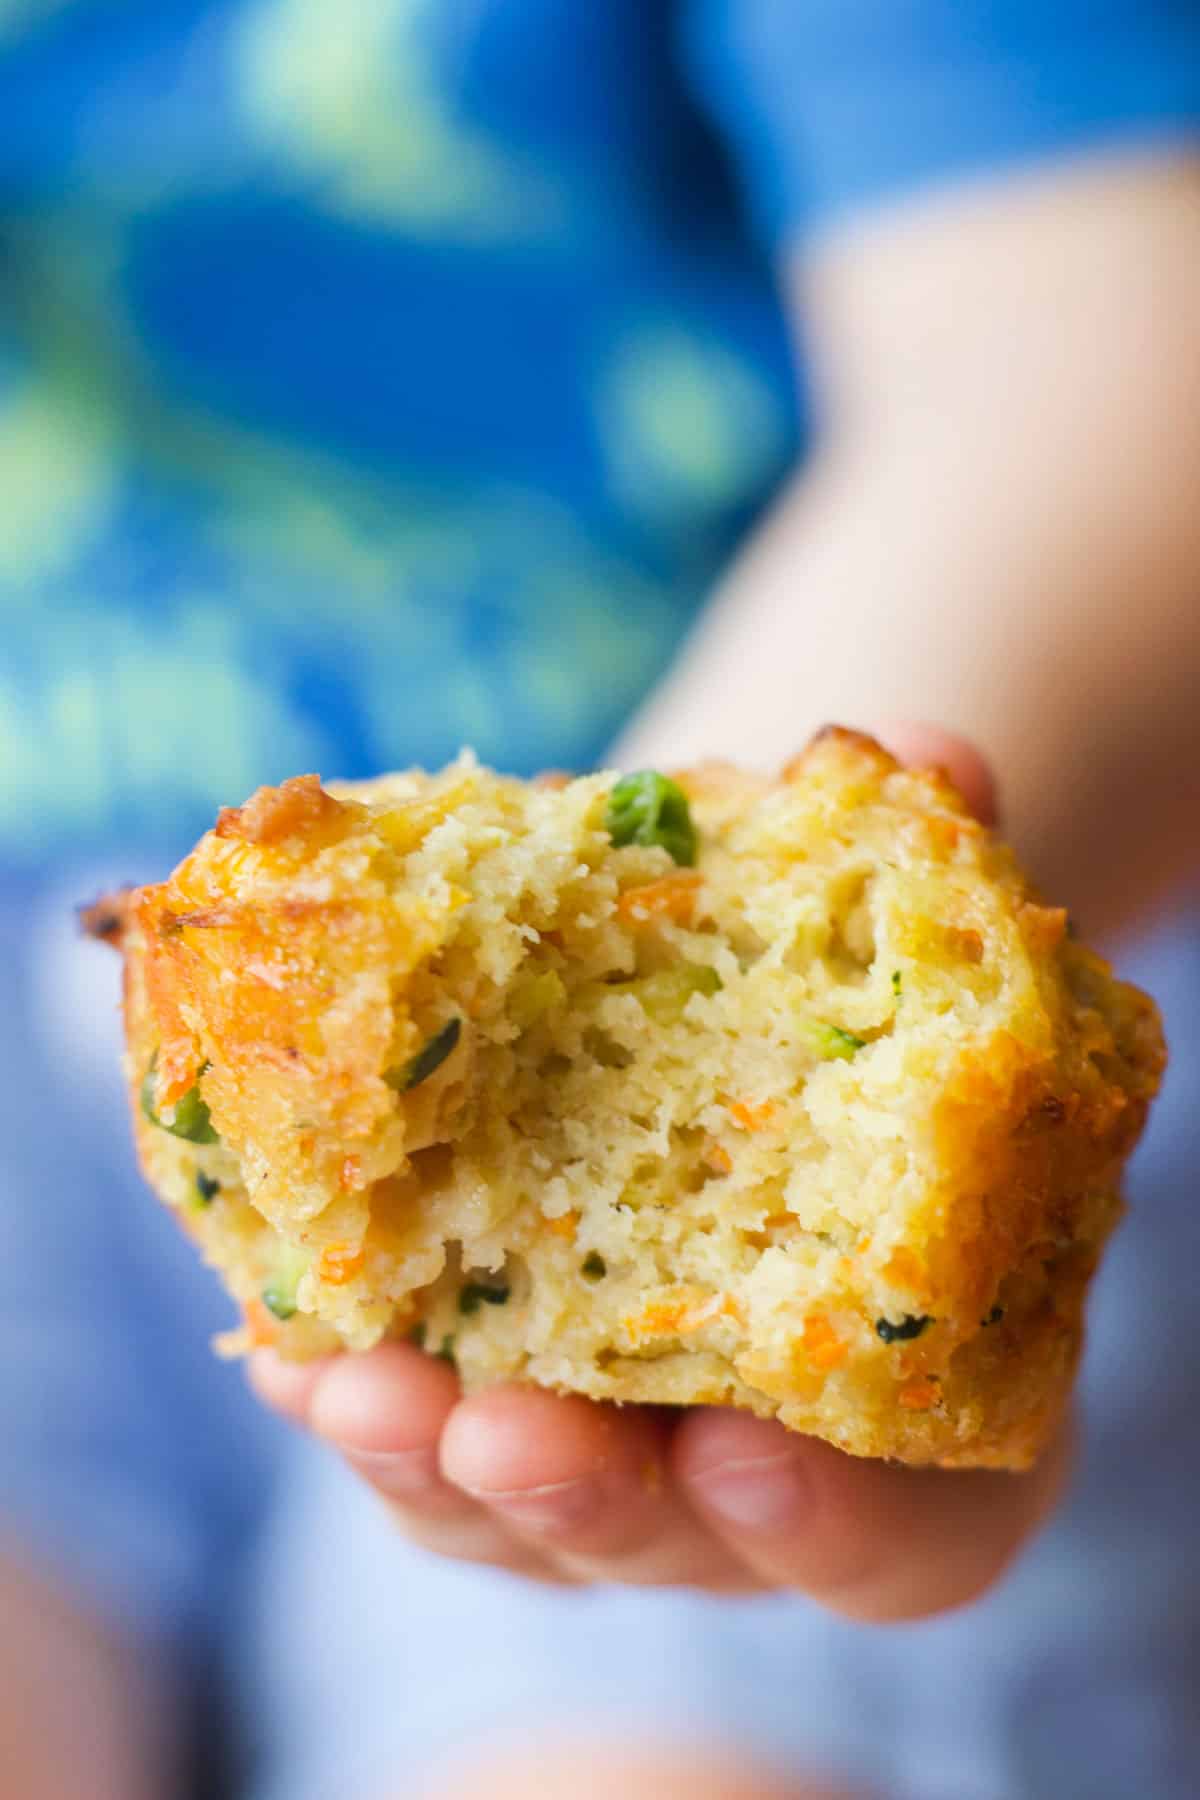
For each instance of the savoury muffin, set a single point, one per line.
(709, 1089)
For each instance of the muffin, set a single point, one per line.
(696, 1089)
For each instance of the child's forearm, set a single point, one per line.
(1001, 530)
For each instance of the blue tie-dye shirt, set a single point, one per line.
(378, 376)
(373, 379)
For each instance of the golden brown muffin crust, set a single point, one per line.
(830, 1125)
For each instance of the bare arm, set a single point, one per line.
(1001, 528)
(1000, 531)
(79, 1712)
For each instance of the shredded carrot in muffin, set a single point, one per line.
(673, 897)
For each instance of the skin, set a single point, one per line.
(997, 530)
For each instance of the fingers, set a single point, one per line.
(587, 1484)
(514, 1476)
(927, 746)
(386, 1412)
(559, 1486)
(871, 1540)
(286, 1387)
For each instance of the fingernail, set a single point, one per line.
(762, 1494)
(558, 1506)
(401, 1474)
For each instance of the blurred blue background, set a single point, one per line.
(380, 377)
(365, 376)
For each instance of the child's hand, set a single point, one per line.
(568, 1490)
